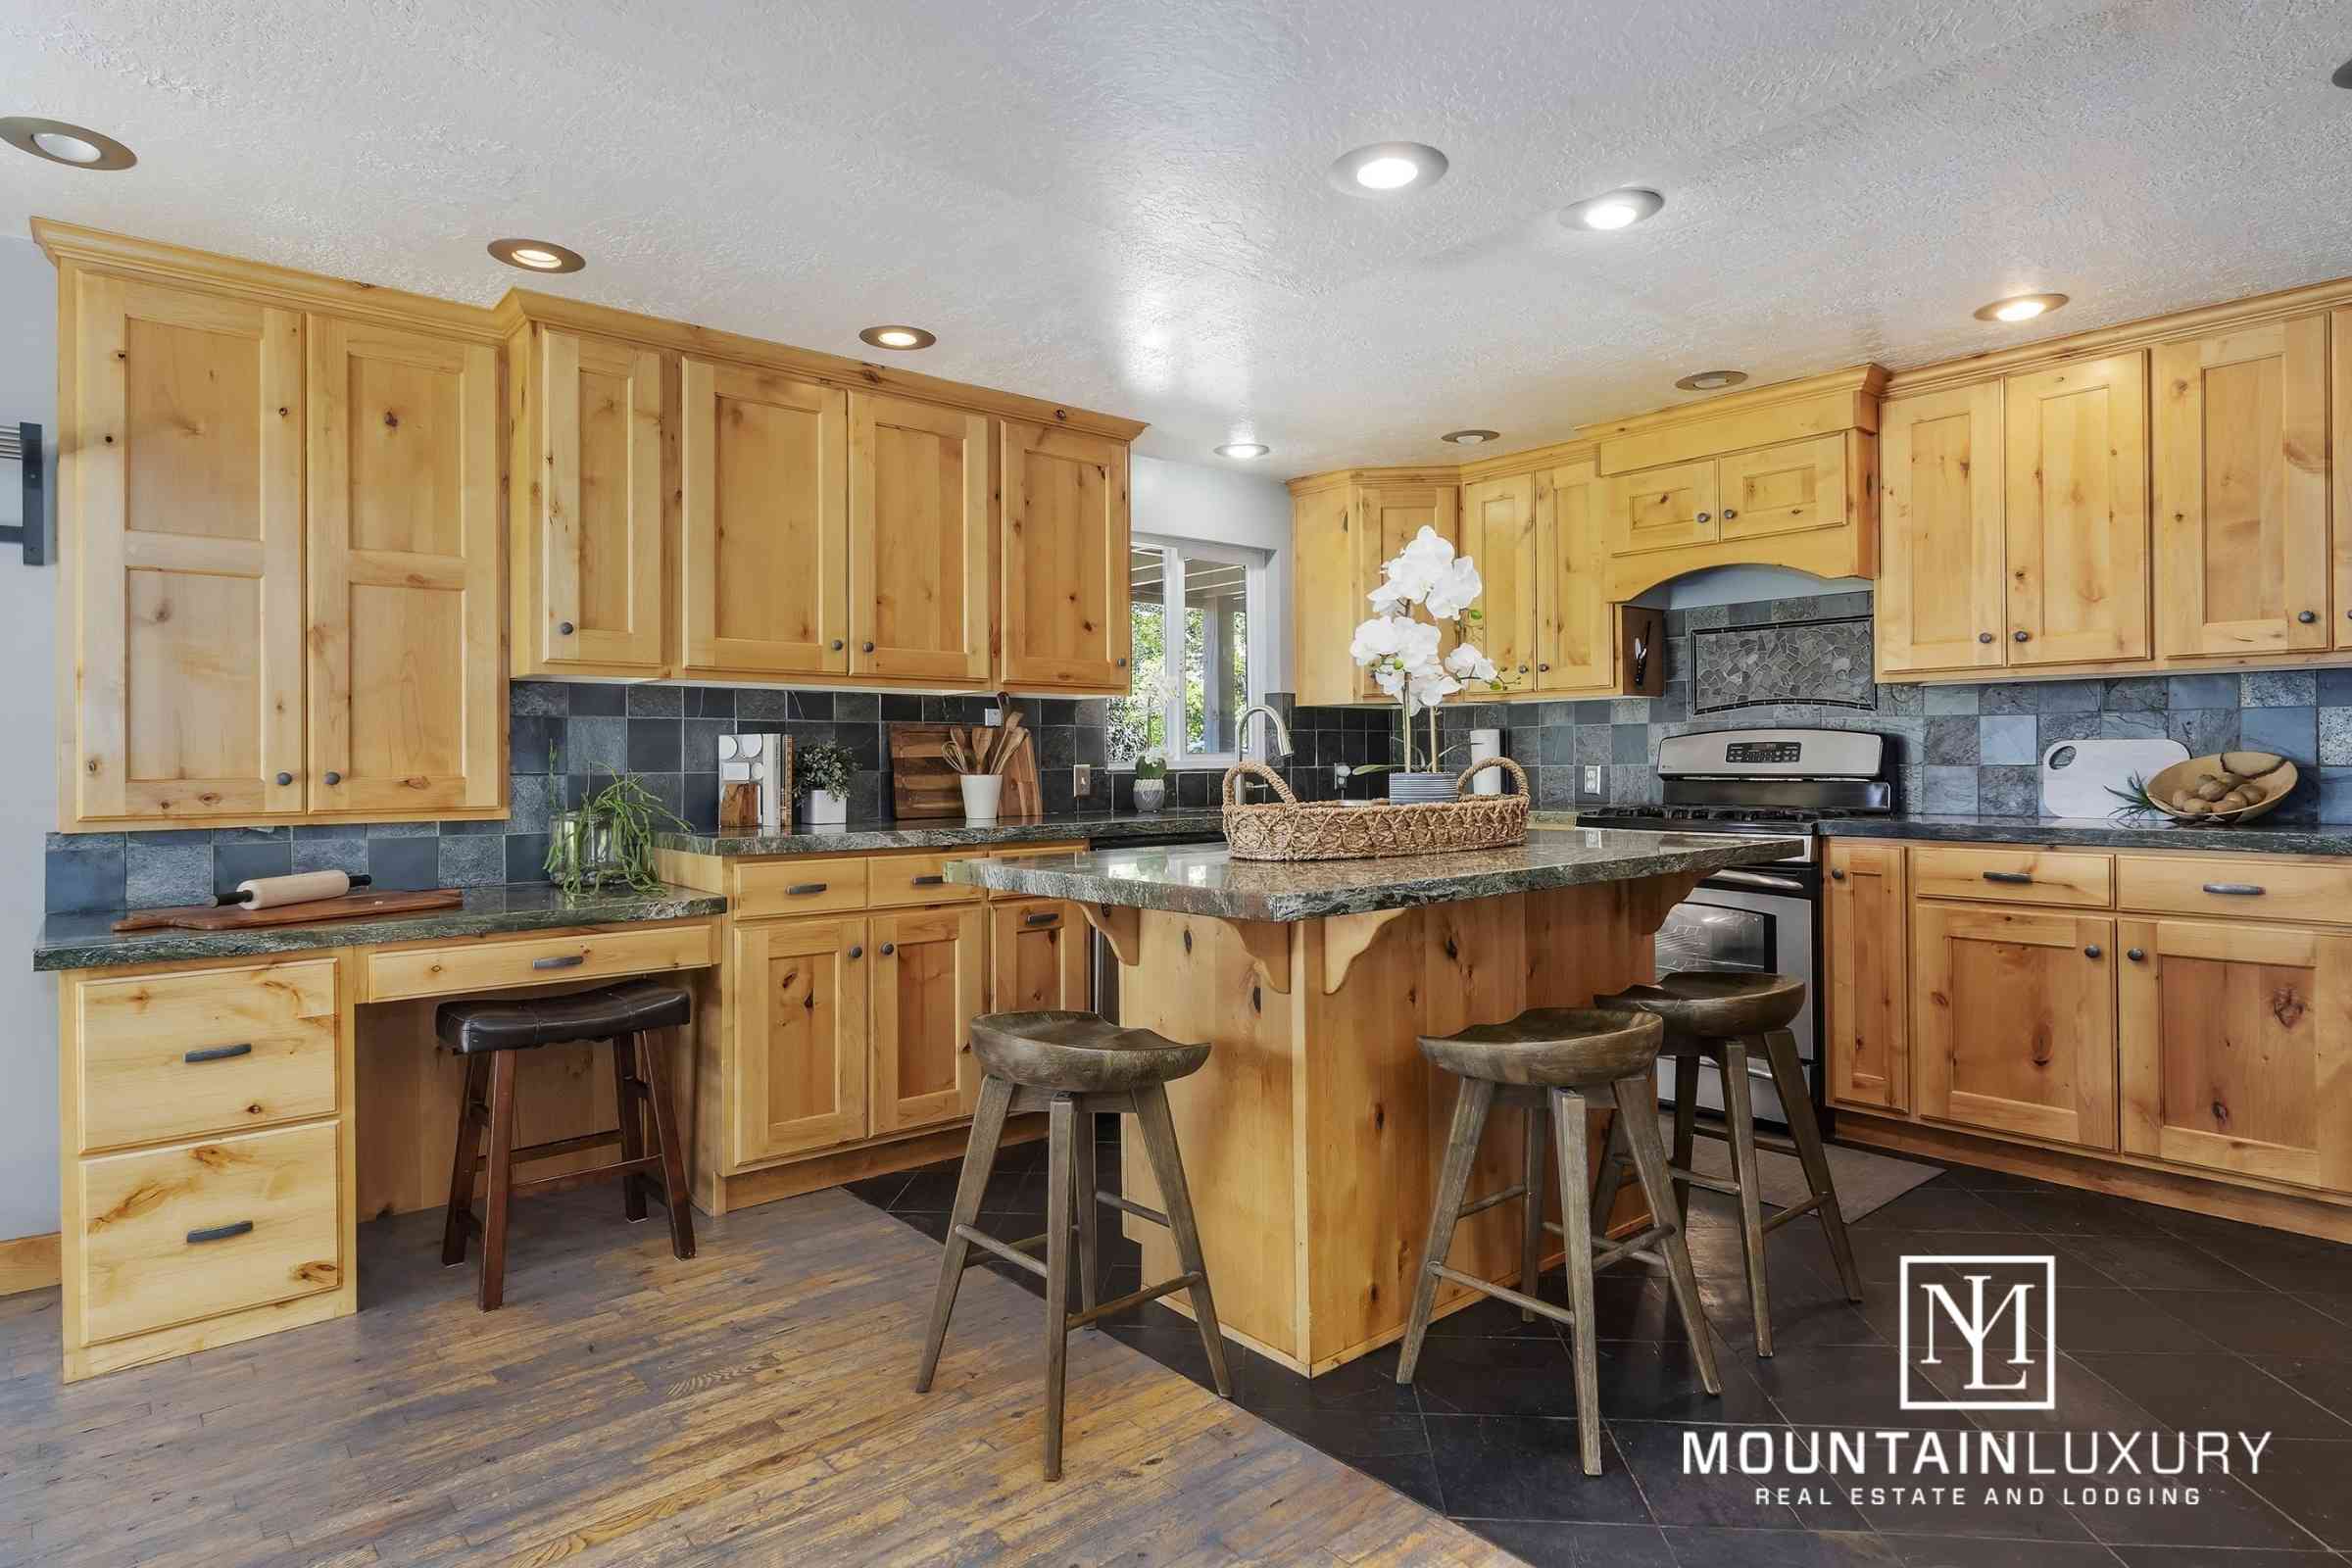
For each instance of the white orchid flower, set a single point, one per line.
(1468, 663)
(1452, 591)
(1375, 640)
(1407, 579)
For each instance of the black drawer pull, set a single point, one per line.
(1041, 918)
(2013, 878)
(2236, 890)
(802, 890)
(560, 961)
(219, 1052)
(929, 881)
(219, 1233)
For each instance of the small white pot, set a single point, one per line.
(827, 810)
(980, 792)
(1151, 793)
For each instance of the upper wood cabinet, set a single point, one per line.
(1499, 533)
(1942, 598)
(2077, 512)
(2241, 491)
(1663, 509)
(2015, 1020)
(2237, 1048)
(765, 541)
(1064, 571)
(1865, 915)
(588, 421)
(920, 529)
(185, 498)
(1325, 609)
(2339, 426)
(407, 711)
(1576, 625)
(1388, 518)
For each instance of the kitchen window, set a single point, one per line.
(1202, 632)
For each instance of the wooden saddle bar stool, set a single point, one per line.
(1547, 1060)
(490, 1036)
(1074, 1066)
(1724, 1020)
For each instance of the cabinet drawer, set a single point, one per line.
(538, 960)
(896, 880)
(2014, 876)
(799, 887)
(178, 1056)
(2263, 890)
(177, 1235)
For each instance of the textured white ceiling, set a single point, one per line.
(1122, 203)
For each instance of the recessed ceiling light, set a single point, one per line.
(2020, 308)
(1470, 438)
(1617, 209)
(1243, 448)
(1388, 166)
(897, 337)
(537, 255)
(75, 146)
(1711, 380)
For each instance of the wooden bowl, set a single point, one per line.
(2276, 782)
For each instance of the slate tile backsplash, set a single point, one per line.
(1798, 660)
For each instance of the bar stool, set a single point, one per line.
(491, 1035)
(1545, 1061)
(1074, 1066)
(1719, 1019)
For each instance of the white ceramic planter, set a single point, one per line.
(827, 810)
(980, 792)
(1151, 793)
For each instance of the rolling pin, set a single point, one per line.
(269, 892)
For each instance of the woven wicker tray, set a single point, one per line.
(1293, 830)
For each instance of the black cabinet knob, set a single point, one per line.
(1837, 875)
(1121, 662)
(2093, 951)
(1983, 636)
(562, 628)
(2135, 954)
(866, 648)
(856, 953)
(888, 947)
(1702, 517)
(2023, 636)
(334, 778)
(1544, 667)
(1729, 513)
(838, 645)
(2307, 617)
(285, 778)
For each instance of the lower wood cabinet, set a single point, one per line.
(1037, 957)
(2014, 1012)
(800, 1032)
(927, 982)
(2236, 1048)
(1869, 985)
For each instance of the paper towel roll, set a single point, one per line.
(269, 892)
(1486, 743)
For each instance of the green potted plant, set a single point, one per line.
(1151, 781)
(609, 842)
(824, 771)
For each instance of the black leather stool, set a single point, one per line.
(489, 1035)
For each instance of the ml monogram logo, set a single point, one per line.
(1966, 1325)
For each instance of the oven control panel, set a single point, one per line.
(1750, 752)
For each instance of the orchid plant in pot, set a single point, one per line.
(1401, 652)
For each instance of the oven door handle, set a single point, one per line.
(1751, 879)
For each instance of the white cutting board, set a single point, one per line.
(2091, 768)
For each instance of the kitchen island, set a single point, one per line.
(1313, 1134)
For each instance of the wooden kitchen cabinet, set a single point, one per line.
(1576, 625)
(184, 426)
(799, 997)
(763, 540)
(1065, 617)
(2241, 476)
(1942, 593)
(2076, 500)
(2340, 424)
(920, 599)
(2237, 1048)
(928, 978)
(1670, 508)
(407, 713)
(1385, 518)
(1865, 916)
(588, 418)
(1037, 957)
(2014, 1015)
(1499, 533)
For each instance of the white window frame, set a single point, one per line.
(1254, 566)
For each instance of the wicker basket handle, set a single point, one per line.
(1233, 786)
(1461, 786)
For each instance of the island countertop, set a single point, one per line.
(1207, 880)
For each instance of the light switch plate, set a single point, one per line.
(1082, 779)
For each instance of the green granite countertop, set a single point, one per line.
(2263, 836)
(1207, 879)
(86, 942)
(951, 833)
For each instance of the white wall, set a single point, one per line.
(27, 777)
(1192, 501)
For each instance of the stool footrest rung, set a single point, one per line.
(1793, 1212)
(609, 1138)
(1129, 1206)
(1503, 1293)
(1149, 1293)
(650, 1166)
(1480, 1205)
(1641, 1245)
(1712, 1183)
(1009, 1251)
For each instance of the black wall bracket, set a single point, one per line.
(23, 444)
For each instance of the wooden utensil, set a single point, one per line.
(350, 906)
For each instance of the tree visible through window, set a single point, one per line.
(1190, 617)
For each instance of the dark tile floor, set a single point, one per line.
(2166, 1320)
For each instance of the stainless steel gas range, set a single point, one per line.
(1780, 782)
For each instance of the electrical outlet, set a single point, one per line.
(1593, 780)
(993, 717)
(1082, 779)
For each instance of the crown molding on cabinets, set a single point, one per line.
(1754, 416)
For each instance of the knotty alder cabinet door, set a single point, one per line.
(1943, 599)
(1498, 533)
(929, 976)
(1663, 509)
(1064, 571)
(801, 1033)
(186, 441)
(1387, 519)
(2237, 1048)
(1576, 625)
(2077, 500)
(588, 423)
(919, 531)
(1037, 957)
(763, 548)
(2015, 1020)
(2241, 491)
(407, 708)
(1868, 964)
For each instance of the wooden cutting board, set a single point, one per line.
(922, 784)
(351, 905)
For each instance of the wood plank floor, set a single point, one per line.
(752, 1405)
